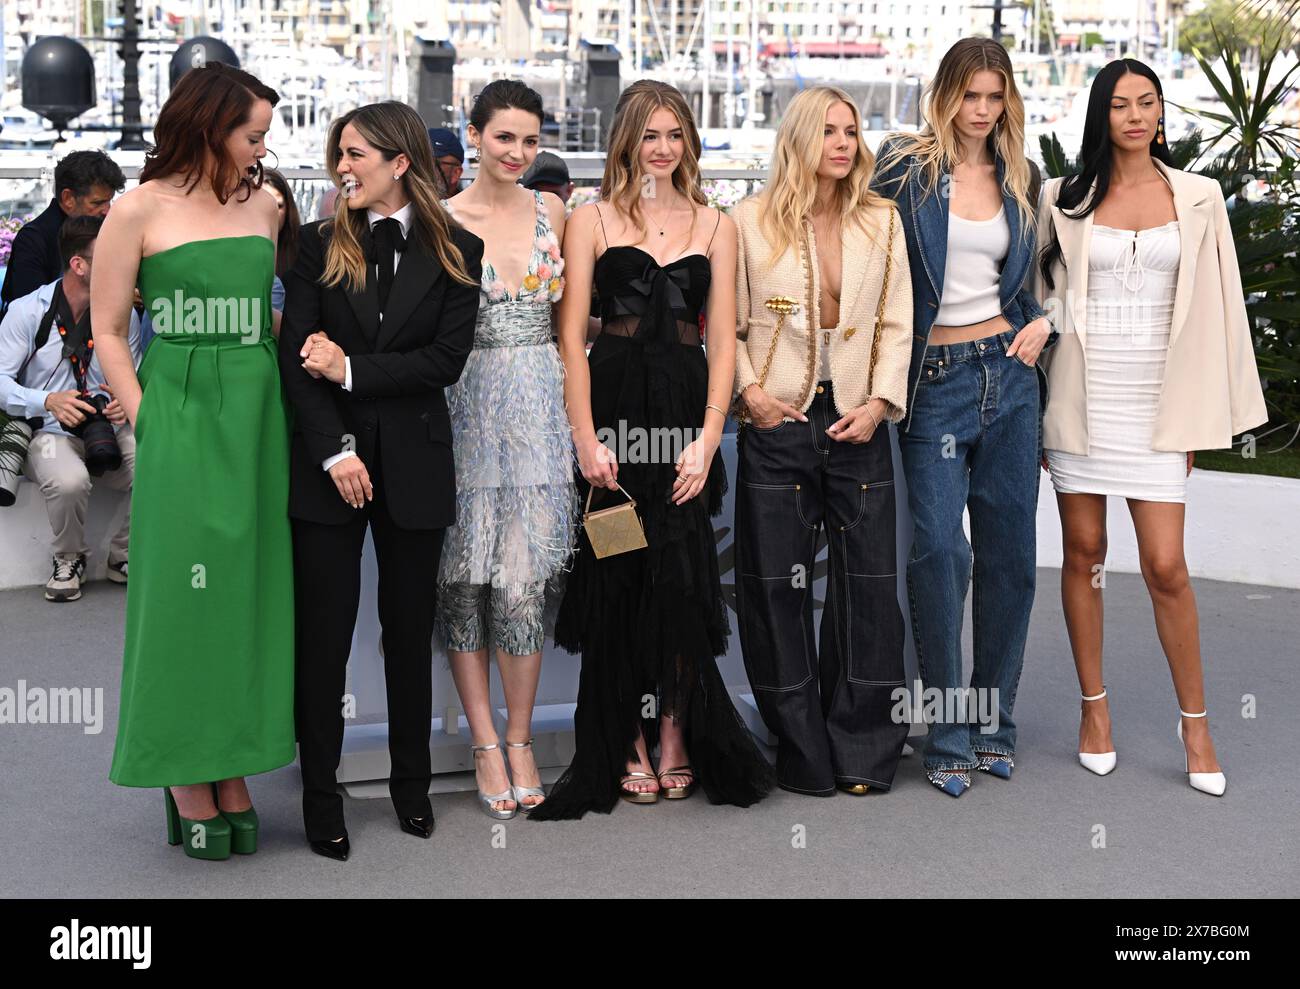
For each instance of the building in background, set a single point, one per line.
(662, 32)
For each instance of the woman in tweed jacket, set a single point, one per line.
(823, 305)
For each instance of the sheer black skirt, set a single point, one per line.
(649, 623)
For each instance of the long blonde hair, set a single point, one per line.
(621, 184)
(787, 199)
(392, 128)
(937, 146)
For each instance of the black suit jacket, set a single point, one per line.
(399, 370)
(34, 260)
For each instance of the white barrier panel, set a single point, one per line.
(25, 536)
(1239, 528)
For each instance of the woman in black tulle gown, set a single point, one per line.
(650, 622)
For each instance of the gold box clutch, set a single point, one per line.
(613, 530)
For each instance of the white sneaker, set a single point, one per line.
(65, 583)
(116, 572)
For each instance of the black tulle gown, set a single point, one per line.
(650, 622)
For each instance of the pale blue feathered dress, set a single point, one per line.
(516, 502)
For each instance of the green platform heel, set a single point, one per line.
(207, 839)
(243, 827)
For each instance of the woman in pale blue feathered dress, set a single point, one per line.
(516, 501)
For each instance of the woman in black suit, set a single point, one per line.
(378, 319)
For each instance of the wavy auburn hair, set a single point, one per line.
(391, 128)
(937, 147)
(205, 107)
(786, 201)
(621, 183)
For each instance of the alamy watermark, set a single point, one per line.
(206, 315)
(949, 706)
(53, 706)
(75, 942)
(648, 445)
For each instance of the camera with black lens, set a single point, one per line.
(99, 437)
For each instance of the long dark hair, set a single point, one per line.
(205, 106)
(1096, 155)
(286, 244)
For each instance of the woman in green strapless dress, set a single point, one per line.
(207, 674)
(207, 677)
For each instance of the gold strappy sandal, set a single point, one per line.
(676, 792)
(638, 796)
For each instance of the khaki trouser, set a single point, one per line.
(56, 462)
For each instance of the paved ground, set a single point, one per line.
(69, 832)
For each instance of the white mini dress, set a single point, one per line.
(1132, 276)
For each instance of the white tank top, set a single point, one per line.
(971, 274)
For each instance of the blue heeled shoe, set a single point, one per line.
(952, 783)
(996, 765)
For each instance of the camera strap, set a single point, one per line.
(74, 333)
(77, 344)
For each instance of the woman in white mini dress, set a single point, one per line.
(1155, 361)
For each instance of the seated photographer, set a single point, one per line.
(49, 376)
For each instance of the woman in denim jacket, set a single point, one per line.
(970, 439)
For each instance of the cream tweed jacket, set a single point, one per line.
(788, 294)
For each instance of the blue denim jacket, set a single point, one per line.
(925, 224)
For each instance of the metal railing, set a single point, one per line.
(588, 167)
(309, 185)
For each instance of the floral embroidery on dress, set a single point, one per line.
(544, 280)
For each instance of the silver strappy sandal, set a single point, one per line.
(525, 791)
(486, 800)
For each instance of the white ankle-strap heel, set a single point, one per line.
(1211, 783)
(1100, 763)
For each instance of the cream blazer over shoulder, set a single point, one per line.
(1211, 389)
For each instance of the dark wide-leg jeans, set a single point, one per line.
(829, 706)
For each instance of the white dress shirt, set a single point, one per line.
(48, 371)
(402, 216)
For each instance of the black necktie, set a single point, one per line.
(388, 238)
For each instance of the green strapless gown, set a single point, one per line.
(207, 675)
